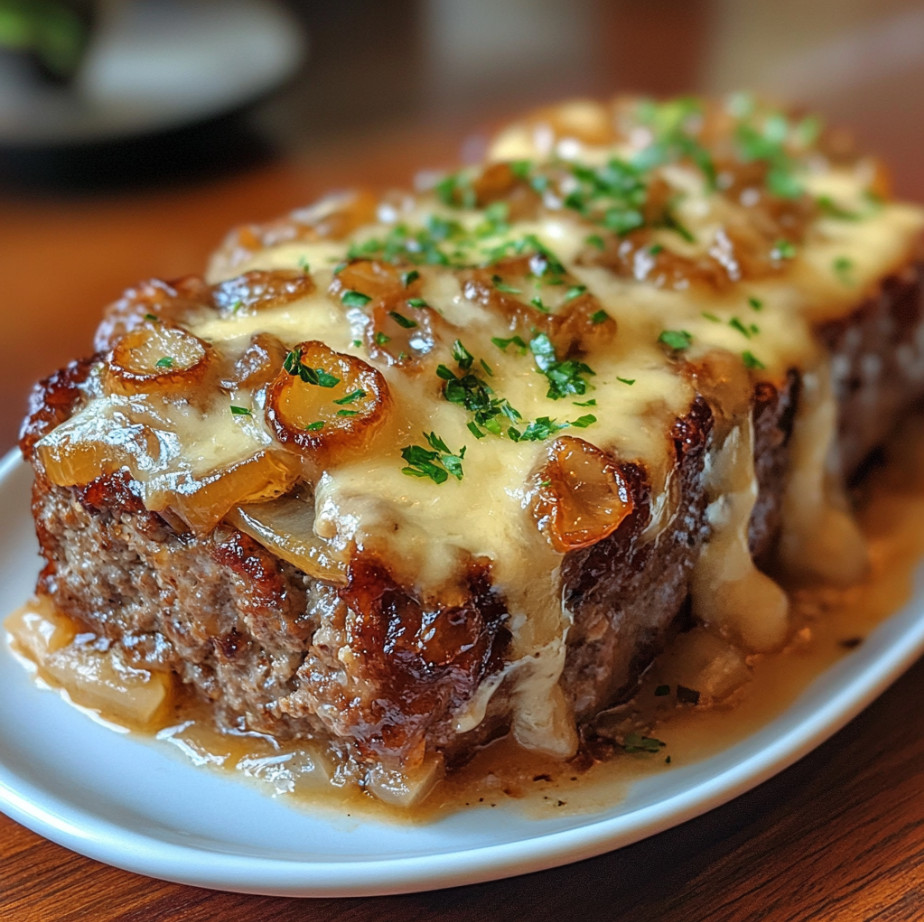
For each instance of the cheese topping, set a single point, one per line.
(570, 288)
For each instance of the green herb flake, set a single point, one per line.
(831, 209)
(316, 426)
(629, 381)
(352, 298)
(736, 324)
(502, 344)
(540, 305)
(711, 317)
(564, 376)
(598, 317)
(166, 362)
(843, 268)
(353, 396)
(410, 276)
(402, 321)
(303, 265)
(153, 318)
(317, 376)
(575, 291)
(588, 403)
(595, 240)
(636, 742)
(380, 338)
(678, 340)
(417, 302)
(751, 361)
(582, 422)
(502, 286)
(437, 462)
(347, 412)
(755, 304)
(783, 249)
(240, 411)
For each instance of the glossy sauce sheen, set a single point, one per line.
(430, 531)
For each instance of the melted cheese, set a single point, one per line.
(430, 529)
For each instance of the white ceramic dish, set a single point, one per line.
(139, 807)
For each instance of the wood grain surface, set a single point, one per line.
(839, 836)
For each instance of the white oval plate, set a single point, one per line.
(136, 806)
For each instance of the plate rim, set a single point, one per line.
(859, 678)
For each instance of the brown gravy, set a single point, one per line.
(830, 623)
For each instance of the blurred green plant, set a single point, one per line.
(52, 35)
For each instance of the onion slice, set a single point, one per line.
(581, 495)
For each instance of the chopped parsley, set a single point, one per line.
(417, 302)
(358, 394)
(598, 317)
(240, 411)
(678, 340)
(517, 341)
(317, 376)
(831, 209)
(751, 361)
(582, 422)
(755, 304)
(437, 462)
(564, 376)
(152, 317)
(402, 321)
(783, 249)
(636, 742)
(843, 269)
(355, 298)
(381, 338)
(629, 381)
(746, 331)
(575, 291)
(166, 362)
(502, 286)
(410, 276)
(316, 426)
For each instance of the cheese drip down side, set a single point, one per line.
(530, 293)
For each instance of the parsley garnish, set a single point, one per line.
(635, 742)
(410, 276)
(736, 324)
(355, 298)
(417, 302)
(678, 340)
(629, 381)
(401, 320)
(500, 285)
(240, 411)
(755, 304)
(381, 338)
(564, 377)
(294, 366)
(436, 462)
(166, 362)
(315, 426)
(575, 291)
(598, 317)
(582, 422)
(358, 394)
(751, 361)
(152, 317)
(783, 249)
(502, 344)
(843, 269)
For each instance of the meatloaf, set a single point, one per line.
(403, 475)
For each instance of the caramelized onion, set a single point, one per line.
(400, 333)
(324, 401)
(581, 496)
(373, 279)
(158, 357)
(170, 302)
(285, 527)
(261, 289)
(202, 501)
(257, 365)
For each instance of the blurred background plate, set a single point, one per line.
(153, 66)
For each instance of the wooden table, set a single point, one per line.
(838, 836)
